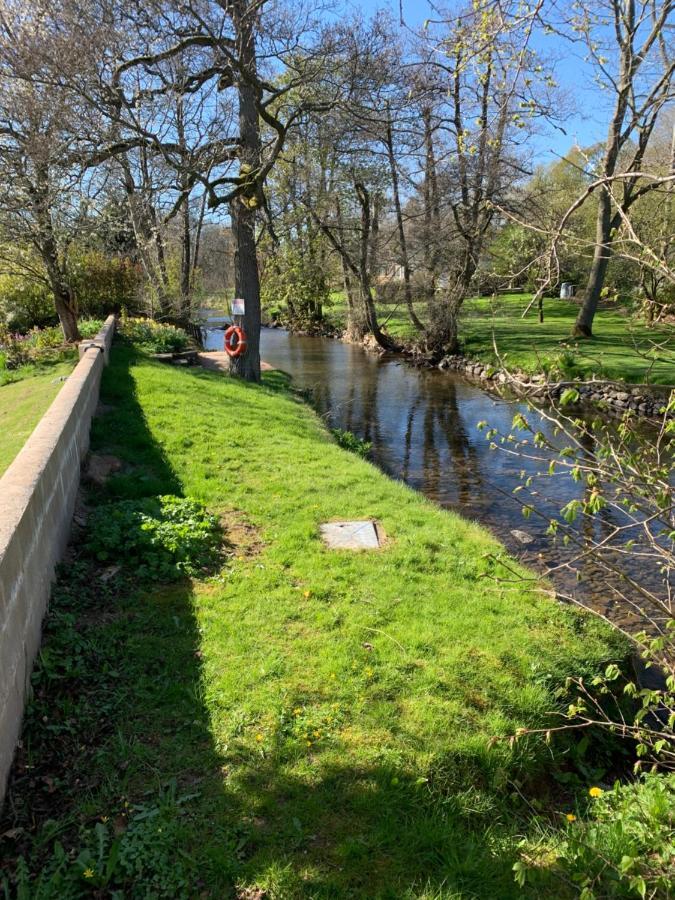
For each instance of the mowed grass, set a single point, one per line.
(623, 346)
(320, 720)
(349, 699)
(22, 405)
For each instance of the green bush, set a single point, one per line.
(40, 345)
(160, 538)
(622, 846)
(349, 441)
(294, 285)
(25, 303)
(155, 337)
(103, 284)
(100, 284)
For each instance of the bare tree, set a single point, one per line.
(44, 180)
(482, 89)
(633, 62)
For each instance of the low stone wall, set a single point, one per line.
(614, 396)
(37, 498)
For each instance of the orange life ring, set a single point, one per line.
(235, 341)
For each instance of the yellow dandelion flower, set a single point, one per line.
(595, 792)
(307, 594)
(88, 873)
(297, 711)
(259, 738)
(317, 734)
(309, 743)
(571, 817)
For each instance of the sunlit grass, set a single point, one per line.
(24, 402)
(348, 699)
(623, 346)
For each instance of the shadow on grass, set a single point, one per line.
(117, 752)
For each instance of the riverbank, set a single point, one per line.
(307, 722)
(614, 397)
(624, 348)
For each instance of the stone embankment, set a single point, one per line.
(644, 400)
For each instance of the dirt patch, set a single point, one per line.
(100, 467)
(243, 537)
(219, 361)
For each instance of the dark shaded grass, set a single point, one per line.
(404, 664)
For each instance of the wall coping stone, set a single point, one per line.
(37, 498)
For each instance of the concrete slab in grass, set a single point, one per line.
(350, 535)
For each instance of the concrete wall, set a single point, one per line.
(37, 497)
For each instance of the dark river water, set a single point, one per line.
(423, 428)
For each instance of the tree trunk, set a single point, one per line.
(401, 229)
(583, 327)
(186, 262)
(368, 252)
(67, 316)
(66, 307)
(137, 205)
(243, 207)
(431, 203)
(356, 325)
(246, 286)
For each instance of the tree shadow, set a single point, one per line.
(118, 740)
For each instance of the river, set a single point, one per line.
(423, 426)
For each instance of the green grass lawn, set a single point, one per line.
(623, 347)
(22, 405)
(308, 723)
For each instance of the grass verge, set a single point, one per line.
(24, 402)
(307, 723)
(623, 347)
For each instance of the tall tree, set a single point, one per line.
(627, 44)
(44, 181)
(484, 89)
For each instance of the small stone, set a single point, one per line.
(522, 536)
(109, 573)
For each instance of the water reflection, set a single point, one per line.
(423, 426)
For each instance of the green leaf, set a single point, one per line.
(571, 395)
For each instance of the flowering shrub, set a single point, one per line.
(40, 345)
(624, 846)
(154, 337)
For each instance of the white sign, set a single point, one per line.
(238, 307)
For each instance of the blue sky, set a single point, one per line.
(587, 120)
